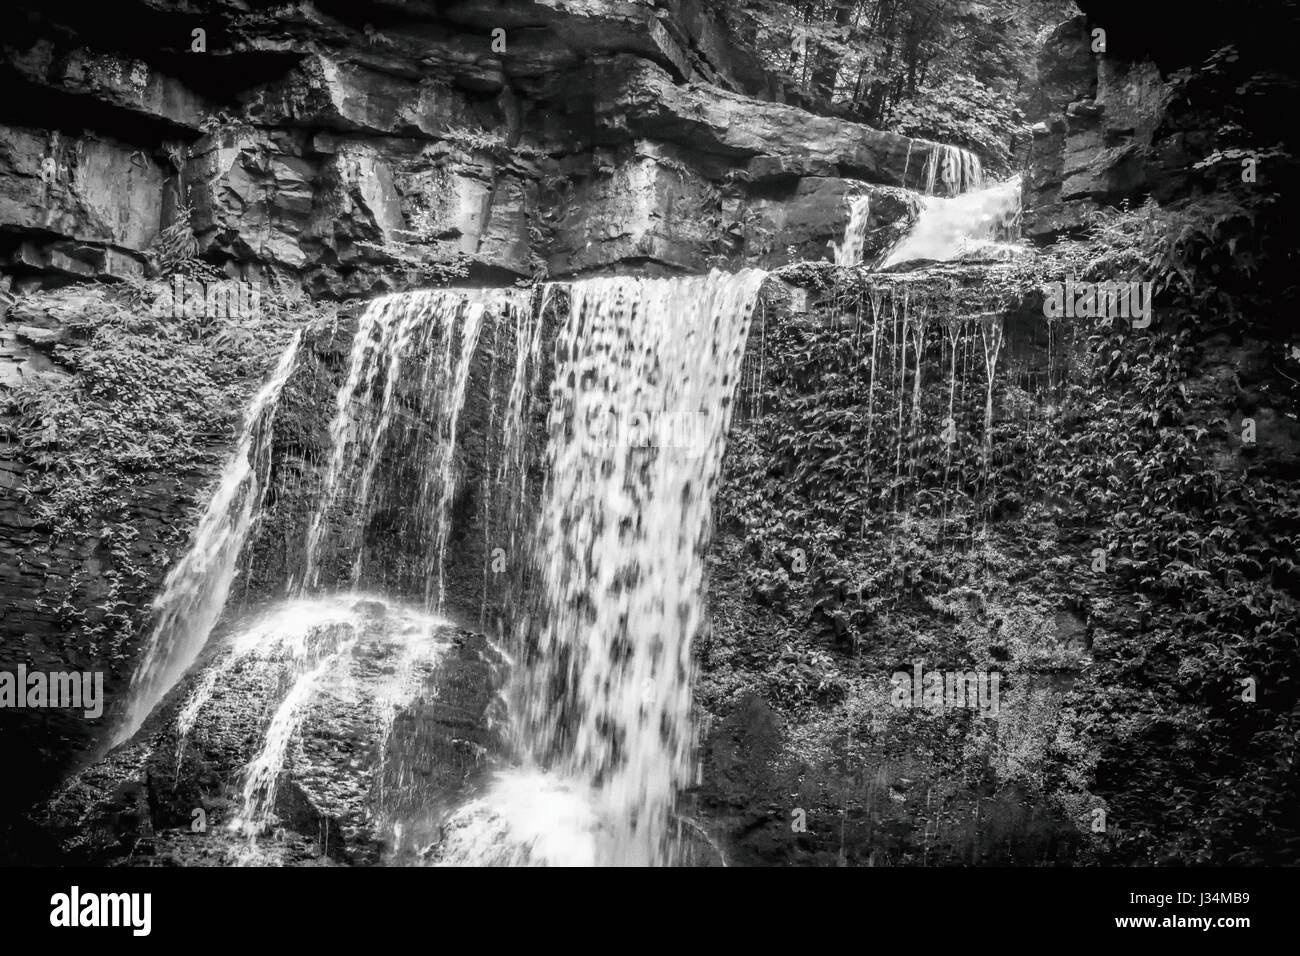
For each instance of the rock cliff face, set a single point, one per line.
(1114, 122)
(363, 147)
(1095, 114)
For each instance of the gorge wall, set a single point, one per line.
(362, 148)
(346, 150)
(339, 151)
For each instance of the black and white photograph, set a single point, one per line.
(651, 433)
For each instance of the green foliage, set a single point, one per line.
(853, 540)
(174, 246)
(1129, 443)
(490, 142)
(426, 266)
(1142, 457)
(139, 402)
(1201, 541)
(945, 71)
(962, 112)
(1229, 241)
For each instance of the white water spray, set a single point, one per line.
(195, 591)
(603, 698)
(849, 251)
(969, 224)
(423, 342)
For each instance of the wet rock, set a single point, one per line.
(801, 225)
(372, 724)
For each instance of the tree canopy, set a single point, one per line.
(950, 70)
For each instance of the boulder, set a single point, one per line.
(333, 729)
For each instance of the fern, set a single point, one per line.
(173, 246)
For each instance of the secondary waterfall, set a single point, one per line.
(641, 403)
(402, 358)
(196, 589)
(970, 223)
(957, 174)
(958, 170)
(849, 251)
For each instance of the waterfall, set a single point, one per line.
(959, 170)
(849, 251)
(410, 364)
(945, 219)
(310, 649)
(970, 223)
(195, 591)
(609, 603)
(641, 403)
(453, 402)
(506, 503)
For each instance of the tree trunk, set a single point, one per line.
(826, 76)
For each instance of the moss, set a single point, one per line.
(125, 435)
(855, 539)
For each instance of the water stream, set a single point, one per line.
(848, 252)
(978, 223)
(409, 369)
(642, 399)
(195, 590)
(961, 215)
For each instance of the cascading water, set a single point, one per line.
(973, 223)
(956, 173)
(849, 251)
(312, 646)
(606, 609)
(446, 453)
(394, 441)
(508, 489)
(641, 403)
(958, 170)
(196, 589)
(395, 445)
(403, 355)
